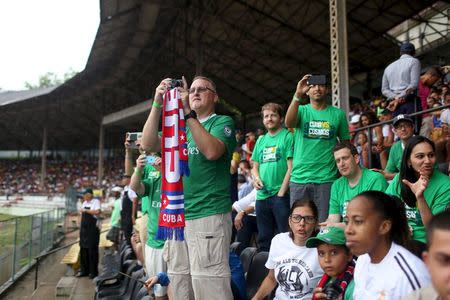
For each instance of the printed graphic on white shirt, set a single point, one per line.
(294, 277)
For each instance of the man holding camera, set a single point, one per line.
(318, 126)
(198, 266)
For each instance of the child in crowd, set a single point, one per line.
(336, 261)
(376, 230)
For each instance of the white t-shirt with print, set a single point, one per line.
(296, 268)
(397, 275)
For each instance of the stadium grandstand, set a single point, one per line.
(71, 136)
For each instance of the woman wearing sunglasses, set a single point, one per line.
(291, 265)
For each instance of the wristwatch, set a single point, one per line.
(192, 114)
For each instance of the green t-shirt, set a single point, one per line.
(115, 215)
(437, 195)
(315, 136)
(342, 193)
(149, 172)
(272, 152)
(153, 192)
(207, 188)
(395, 158)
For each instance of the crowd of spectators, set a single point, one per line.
(23, 176)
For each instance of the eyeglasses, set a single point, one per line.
(200, 89)
(403, 126)
(299, 218)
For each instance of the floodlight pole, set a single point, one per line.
(44, 157)
(100, 154)
(339, 55)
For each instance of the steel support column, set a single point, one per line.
(339, 55)
(100, 155)
(44, 156)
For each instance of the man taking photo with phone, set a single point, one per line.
(318, 126)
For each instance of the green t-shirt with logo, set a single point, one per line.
(149, 172)
(207, 189)
(315, 136)
(437, 195)
(115, 215)
(271, 153)
(342, 193)
(153, 192)
(395, 158)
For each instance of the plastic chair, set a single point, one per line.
(246, 257)
(256, 273)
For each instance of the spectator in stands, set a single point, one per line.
(160, 279)
(127, 219)
(288, 256)
(400, 81)
(147, 183)
(424, 190)
(404, 129)
(361, 141)
(387, 129)
(245, 220)
(427, 80)
(376, 231)
(318, 127)
(250, 141)
(353, 125)
(336, 261)
(443, 144)
(437, 260)
(379, 155)
(272, 165)
(245, 169)
(89, 235)
(114, 233)
(196, 271)
(353, 181)
(244, 187)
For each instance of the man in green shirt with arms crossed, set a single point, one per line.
(272, 164)
(354, 181)
(198, 266)
(318, 127)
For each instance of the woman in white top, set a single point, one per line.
(291, 265)
(376, 230)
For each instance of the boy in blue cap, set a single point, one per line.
(336, 260)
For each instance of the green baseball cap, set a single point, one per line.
(327, 235)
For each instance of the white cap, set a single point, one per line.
(117, 189)
(355, 119)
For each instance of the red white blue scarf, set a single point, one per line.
(174, 166)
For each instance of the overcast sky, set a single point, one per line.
(40, 36)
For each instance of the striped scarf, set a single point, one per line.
(174, 166)
(341, 281)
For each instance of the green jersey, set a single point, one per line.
(315, 136)
(342, 193)
(271, 152)
(115, 215)
(149, 172)
(207, 188)
(153, 192)
(395, 158)
(437, 196)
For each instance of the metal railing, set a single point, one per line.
(23, 238)
(369, 127)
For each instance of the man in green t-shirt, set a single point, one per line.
(148, 186)
(404, 129)
(198, 266)
(354, 181)
(318, 126)
(272, 164)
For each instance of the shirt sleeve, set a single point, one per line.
(392, 189)
(95, 204)
(385, 90)
(223, 129)
(344, 133)
(334, 201)
(255, 153)
(390, 166)
(131, 194)
(246, 201)
(415, 74)
(380, 183)
(289, 144)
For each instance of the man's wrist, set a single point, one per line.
(156, 105)
(300, 98)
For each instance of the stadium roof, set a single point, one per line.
(254, 50)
